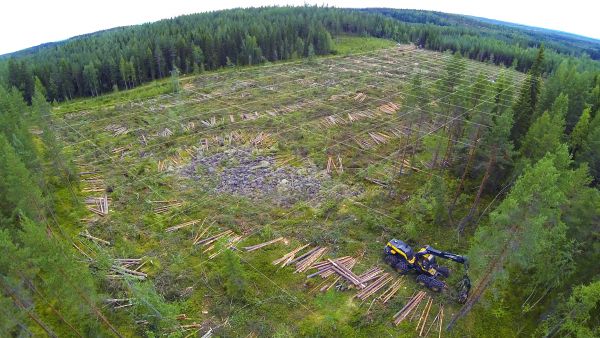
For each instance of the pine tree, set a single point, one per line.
(233, 273)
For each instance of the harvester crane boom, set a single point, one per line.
(444, 254)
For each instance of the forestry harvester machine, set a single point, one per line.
(403, 259)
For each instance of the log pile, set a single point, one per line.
(164, 206)
(209, 243)
(116, 129)
(412, 304)
(439, 319)
(332, 165)
(342, 267)
(162, 165)
(305, 261)
(364, 144)
(190, 126)
(347, 261)
(119, 150)
(212, 239)
(324, 267)
(119, 303)
(165, 133)
(287, 258)
(93, 184)
(389, 108)
(87, 235)
(370, 274)
(331, 121)
(379, 137)
(210, 122)
(391, 290)
(360, 97)
(128, 267)
(352, 117)
(262, 245)
(231, 243)
(374, 287)
(262, 139)
(183, 225)
(98, 205)
(424, 316)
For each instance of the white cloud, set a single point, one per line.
(26, 23)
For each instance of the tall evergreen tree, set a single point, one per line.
(580, 131)
(18, 191)
(525, 106)
(547, 132)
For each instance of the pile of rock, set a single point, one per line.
(239, 172)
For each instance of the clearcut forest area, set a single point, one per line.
(241, 198)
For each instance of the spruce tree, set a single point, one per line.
(547, 132)
(580, 131)
(525, 106)
(18, 191)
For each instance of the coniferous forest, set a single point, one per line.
(139, 167)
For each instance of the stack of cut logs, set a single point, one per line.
(87, 235)
(330, 121)
(360, 97)
(165, 132)
(304, 261)
(412, 304)
(379, 137)
(374, 287)
(388, 108)
(262, 245)
(261, 139)
(209, 242)
(346, 261)
(183, 225)
(92, 183)
(119, 303)
(210, 123)
(332, 164)
(341, 270)
(391, 291)
(98, 205)
(164, 206)
(128, 267)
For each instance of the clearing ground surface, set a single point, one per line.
(325, 152)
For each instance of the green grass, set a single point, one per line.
(353, 44)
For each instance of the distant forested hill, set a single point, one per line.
(521, 35)
(122, 58)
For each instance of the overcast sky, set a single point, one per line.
(26, 23)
